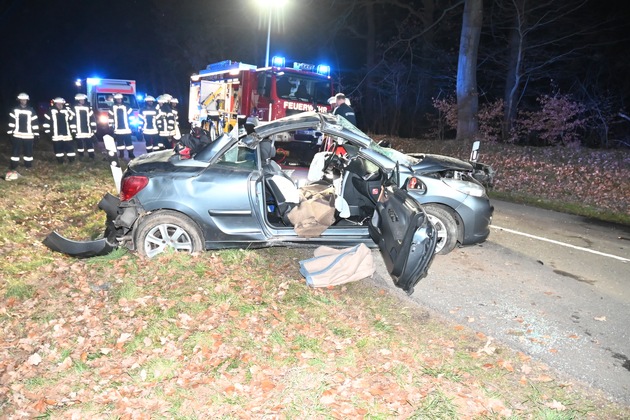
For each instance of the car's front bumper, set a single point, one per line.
(476, 214)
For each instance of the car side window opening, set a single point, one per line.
(239, 156)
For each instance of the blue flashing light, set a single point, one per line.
(94, 81)
(140, 97)
(278, 61)
(134, 121)
(323, 69)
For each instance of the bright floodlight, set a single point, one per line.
(271, 3)
(269, 6)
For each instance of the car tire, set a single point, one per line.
(445, 227)
(167, 229)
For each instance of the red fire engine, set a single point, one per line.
(228, 90)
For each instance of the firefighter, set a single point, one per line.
(165, 122)
(23, 128)
(57, 125)
(176, 134)
(83, 125)
(119, 122)
(343, 108)
(148, 127)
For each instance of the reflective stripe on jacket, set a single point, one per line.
(119, 118)
(57, 123)
(23, 123)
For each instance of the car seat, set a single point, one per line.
(285, 194)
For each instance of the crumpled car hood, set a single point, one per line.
(435, 163)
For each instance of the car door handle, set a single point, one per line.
(392, 215)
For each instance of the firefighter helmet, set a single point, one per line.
(118, 96)
(149, 98)
(59, 100)
(162, 99)
(174, 101)
(167, 97)
(23, 96)
(80, 96)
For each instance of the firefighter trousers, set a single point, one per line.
(124, 142)
(64, 148)
(151, 141)
(85, 144)
(21, 147)
(164, 143)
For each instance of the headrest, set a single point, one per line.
(267, 150)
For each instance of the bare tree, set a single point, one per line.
(540, 35)
(467, 94)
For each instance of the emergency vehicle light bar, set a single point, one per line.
(278, 61)
(323, 69)
(226, 65)
(304, 66)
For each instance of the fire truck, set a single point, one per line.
(228, 90)
(100, 93)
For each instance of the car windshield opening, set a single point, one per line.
(389, 153)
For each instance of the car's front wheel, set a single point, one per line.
(445, 227)
(167, 229)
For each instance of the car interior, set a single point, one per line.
(355, 180)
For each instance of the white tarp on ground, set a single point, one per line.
(330, 266)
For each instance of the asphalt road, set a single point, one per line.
(554, 286)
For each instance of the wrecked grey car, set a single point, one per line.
(449, 189)
(231, 193)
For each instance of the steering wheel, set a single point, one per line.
(328, 161)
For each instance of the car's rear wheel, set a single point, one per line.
(445, 227)
(167, 229)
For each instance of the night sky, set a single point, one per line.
(47, 45)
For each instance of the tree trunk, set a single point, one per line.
(370, 97)
(514, 70)
(467, 95)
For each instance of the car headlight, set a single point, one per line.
(466, 187)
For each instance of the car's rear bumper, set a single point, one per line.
(93, 248)
(78, 249)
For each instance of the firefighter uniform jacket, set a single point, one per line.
(345, 111)
(23, 123)
(119, 118)
(165, 121)
(57, 123)
(83, 124)
(148, 120)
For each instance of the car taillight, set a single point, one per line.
(131, 186)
